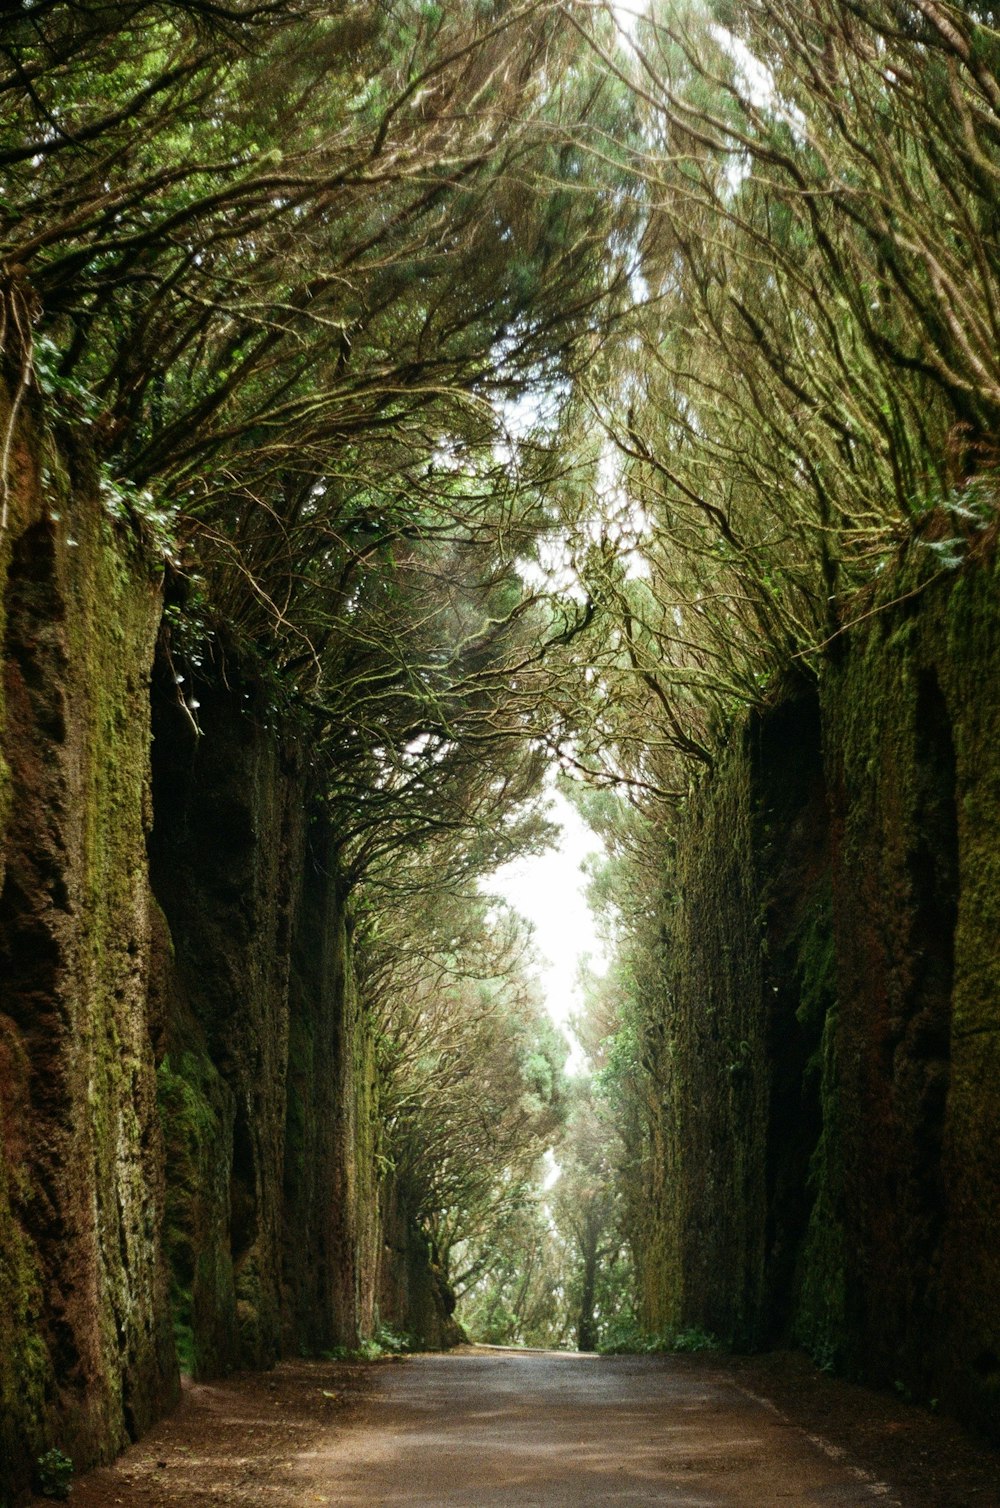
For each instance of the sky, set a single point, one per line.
(549, 891)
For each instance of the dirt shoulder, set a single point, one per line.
(931, 1462)
(231, 1443)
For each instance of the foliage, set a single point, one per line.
(54, 1474)
(295, 269)
(384, 1342)
(518, 1296)
(628, 1339)
(470, 1067)
(811, 373)
(558, 1274)
(587, 1212)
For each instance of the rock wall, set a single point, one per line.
(331, 1185)
(704, 1205)
(188, 1107)
(225, 836)
(86, 1358)
(268, 1082)
(823, 1133)
(414, 1300)
(914, 759)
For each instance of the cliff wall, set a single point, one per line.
(188, 1105)
(413, 1298)
(913, 718)
(823, 1158)
(86, 1358)
(268, 1083)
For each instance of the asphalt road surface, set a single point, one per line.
(503, 1430)
(483, 1428)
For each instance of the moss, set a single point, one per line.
(913, 715)
(816, 967)
(821, 1037)
(25, 1366)
(301, 1069)
(969, 623)
(697, 1213)
(820, 1323)
(196, 1116)
(80, 609)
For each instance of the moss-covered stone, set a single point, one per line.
(414, 1299)
(222, 854)
(250, 1155)
(819, 1321)
(268, 1089)
(734, 1047)
(197, 1116)
(331, 1164)
(829, 1069)
(86, 1354)
(914, 714)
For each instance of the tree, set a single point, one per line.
(294, 268)
(812, 372)
(470, 1069)
(516, 1294)
(587, 1212)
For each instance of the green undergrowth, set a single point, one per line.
(385, 1343)
(54, 1475)
(629, 1339)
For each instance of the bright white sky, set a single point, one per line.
(549, 891)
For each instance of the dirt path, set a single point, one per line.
(482, 1429)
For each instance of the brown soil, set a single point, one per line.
(482, 1427)
(931, 1462)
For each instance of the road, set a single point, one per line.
(504, 1430)
(481, 1428)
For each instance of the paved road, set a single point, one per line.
(495, 1428)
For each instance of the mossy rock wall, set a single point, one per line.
(226, 838)
(331, 1188)
(86, 1359)
(712, 1093)
(188, 1113)
(826, 1081)
(729, 1102)
(414, 1300)
(913, 740)
(268, 1087)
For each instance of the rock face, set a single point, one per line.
(86, 1357)
(915, 788)
(188, 1108)
(413, 1298)
(331, 1194)
(823, 1134)
(268, 1083)
(221, 854)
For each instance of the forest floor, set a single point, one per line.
(485, 1428)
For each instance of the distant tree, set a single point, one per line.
(514, 1290)
(586, 1210)
(470, 1069)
